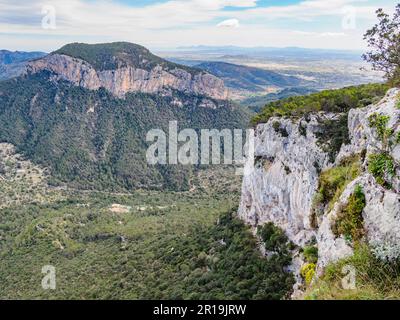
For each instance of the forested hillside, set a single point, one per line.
(92, 139)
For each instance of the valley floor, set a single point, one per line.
(139, 245)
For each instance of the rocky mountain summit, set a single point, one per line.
(84, 112)
(323, 201)
(125, 67)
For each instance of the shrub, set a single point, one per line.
(303, 130)
(333, 134)
(310, 254)
(273, 237)
(338, 101)
(349, 220)
(380, 122)
(276, 125)
(279, 129)
(308, 272)
(332, 182)
(381, 166)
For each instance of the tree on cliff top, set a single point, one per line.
(384, 41)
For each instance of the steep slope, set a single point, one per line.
(329, 179)
(89, 127)
(124, 67)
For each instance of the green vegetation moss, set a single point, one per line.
(274, 238)
(349, 221)
(337, 101)
(110, 56)
(310, 254)
(382, 167)
(332, 182)
(374, 279)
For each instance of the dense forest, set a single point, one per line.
(91, 139)
(336, 101)
(163, 246)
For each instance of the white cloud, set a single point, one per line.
(230, 23)
(164, 22)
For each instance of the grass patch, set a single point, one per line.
(374, 279)
(333, 182)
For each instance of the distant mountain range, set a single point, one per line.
(239, 77)
(289, 52)
(10, 57)
(256, 103)
(12, 63)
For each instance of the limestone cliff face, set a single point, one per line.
(285, 177)
(288, 161)
(382, 212)
(126, 79)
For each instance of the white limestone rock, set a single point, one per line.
(282, 185)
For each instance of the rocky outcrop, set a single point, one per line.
(122, 80)
(285, 176)
(284, 180)
(382, 212)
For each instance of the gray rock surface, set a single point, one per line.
(284, 181)
(129, 79)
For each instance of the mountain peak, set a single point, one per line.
(116, 55)
(122, 67)
(110, 56)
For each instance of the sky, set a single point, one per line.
(161, 24)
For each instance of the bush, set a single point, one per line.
(332, 182)
(308, 272)
(279, 129)
(303, 130)
(310, 254)
(349, 221)
(333, 134)
(380, 122)
(273, 237)
(337, 101)
(381, 166)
